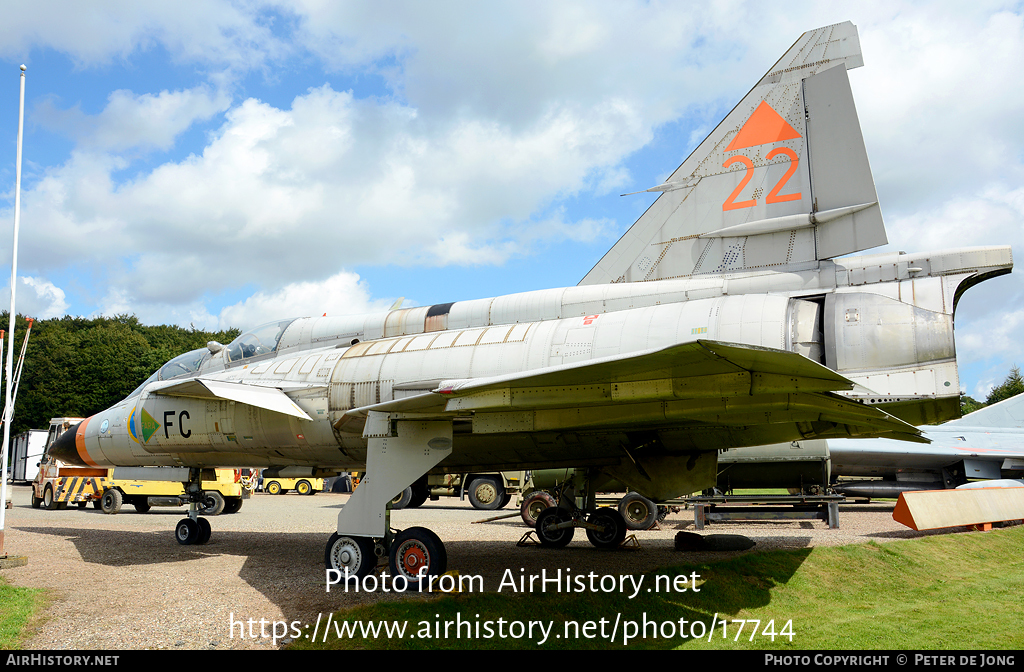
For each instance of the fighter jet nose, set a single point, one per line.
(65, 450)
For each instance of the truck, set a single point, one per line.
(27, 449)
(486, 490)
(56, 484)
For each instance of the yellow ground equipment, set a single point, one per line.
(223, 495)
(303, 486)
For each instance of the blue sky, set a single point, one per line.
(225, 163)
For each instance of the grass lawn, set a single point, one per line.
(19, 609)
(960, 591)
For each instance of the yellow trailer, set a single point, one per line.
(303, 486)
(223, 495)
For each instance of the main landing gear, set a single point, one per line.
(416, 554)
(399, 451)
(556, 526)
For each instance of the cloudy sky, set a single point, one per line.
(226, 163)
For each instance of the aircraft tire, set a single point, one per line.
(614, 528)
(187, 532)
(486, 493)
(553, 538)
(535, 504)
(110, 502)
(351, 552)
(413, 549)
(205, 530)
(212, 504)
(639, 512)
(402, 499)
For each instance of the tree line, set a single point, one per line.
(1010, 387)
(76, 366)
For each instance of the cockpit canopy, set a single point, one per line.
(259, 341)
(179, 366)
(262, 340)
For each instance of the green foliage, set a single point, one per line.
(1011, 387)
(969, 404)
(77, 366)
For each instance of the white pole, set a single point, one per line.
(8, 407)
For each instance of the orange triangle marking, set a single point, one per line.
(764, 126)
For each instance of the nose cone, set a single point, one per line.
(65, 448)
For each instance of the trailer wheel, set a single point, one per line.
(402, 499)
(486, 493)
(111, 501)
(81, 505)
(638, 511)
(534, 505)
(212, 504)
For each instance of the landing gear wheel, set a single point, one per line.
(304, 487)
(352, 553)
(204, 530)
(638, 511)
(534, 505)
(486, 493)
(553, 538)
(273, 488)
(187, 532)
(417, 552)
(402, 499)
(111, 501)
(212, 504)
(614, 528)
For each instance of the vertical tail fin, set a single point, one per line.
(783, 180)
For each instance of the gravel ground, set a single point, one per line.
(123, 582)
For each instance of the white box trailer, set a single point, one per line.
(28, 452)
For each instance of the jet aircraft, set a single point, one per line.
(726, 316)
(986, 444)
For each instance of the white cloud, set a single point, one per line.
(225, 36)
(341, 294)
(36, 297)
(130, 121)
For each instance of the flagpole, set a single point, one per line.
(8, 406)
